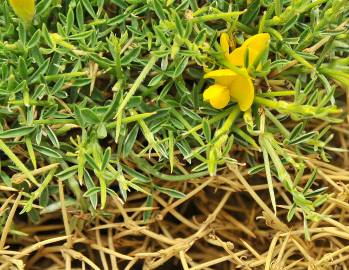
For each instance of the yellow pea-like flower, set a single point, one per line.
(254, 45)
(229, 85)
(24, 9)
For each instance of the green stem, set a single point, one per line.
(131, 119)
(229, 122)
(296, 56)
(18, 162)
(221, 136)
(225, 16)
(267, 102)
(278, 7)
(36, 194)
(54, 121)
(31, 102)
(283, 174)
(314, 4)
(65, 75)
(278, 93)
(277, 123)
(103, 186)
(268, 173)
(136, 84)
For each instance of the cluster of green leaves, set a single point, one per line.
(97, 85)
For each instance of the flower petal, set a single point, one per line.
(24, 9)
(242, 90)
(237, 57)
(257, 43)
(219, 73)
(224, 41)
(221, 76)
(217, 95)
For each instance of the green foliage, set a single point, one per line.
(101, 86)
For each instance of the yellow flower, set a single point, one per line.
(24, 9)
(229, 85)
(255, 45)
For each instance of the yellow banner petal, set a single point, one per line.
(257, 43)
